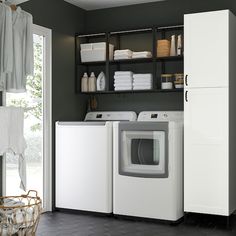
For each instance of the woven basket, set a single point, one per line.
(19, 215)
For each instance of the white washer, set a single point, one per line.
(148, 166)
(84, 161)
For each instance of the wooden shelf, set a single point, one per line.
(134, 91)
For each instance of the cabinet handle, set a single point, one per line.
(186, 80)
(186, 96)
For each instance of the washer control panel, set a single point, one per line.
(111, 116)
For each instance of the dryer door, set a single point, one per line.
(143, 149)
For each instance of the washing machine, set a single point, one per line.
(148, 166)
(84, 162)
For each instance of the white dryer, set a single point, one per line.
(84, 161)
(148, 166)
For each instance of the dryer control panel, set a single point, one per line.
(160, 116)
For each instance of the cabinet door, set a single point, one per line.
(206, 151)
(206, 52)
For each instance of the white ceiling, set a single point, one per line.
(99, 4)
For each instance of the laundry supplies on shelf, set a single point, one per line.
(163, 48)
(144, 54)
(123, 54)
(143, 82)
(101, 82)
(123, 80)
(92, 83)
(84, 83)
(92, 52)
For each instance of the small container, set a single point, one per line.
(179, 77)
(166, 81)
(163, 48)
(179, 80)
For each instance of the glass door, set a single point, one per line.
(144, 149)
(37, 113)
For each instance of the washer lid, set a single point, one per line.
(111, 116)
(161, 116)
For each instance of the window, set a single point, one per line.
(37, 130)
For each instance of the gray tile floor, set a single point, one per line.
(63, 224)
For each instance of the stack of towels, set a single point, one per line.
(142, 81)
(123, 80)
(123, 54)
(144, 54)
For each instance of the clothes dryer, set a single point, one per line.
(148, 166)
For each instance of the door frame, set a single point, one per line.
(47, 121)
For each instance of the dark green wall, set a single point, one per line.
(164, 13)
(160, 13)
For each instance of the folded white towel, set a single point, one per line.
(141, 56)
(12, 137)
(123, 83)
(123, 88)
(143, 80)
(143, 84)
(122, 78)
(142, 88)
(124, 51)
(137, 76)
(144, 54)
(124, 73)
(122, 57)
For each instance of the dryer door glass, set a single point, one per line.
(143, 153)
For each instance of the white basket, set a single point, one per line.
(93, 52)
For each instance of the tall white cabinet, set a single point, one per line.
(210, 113)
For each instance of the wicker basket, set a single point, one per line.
(19, 215)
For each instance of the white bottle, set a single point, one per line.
(84, 83)
(173, 46)
(179, 45)
(101, 82)
(92, 83)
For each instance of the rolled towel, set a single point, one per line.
(118, 73)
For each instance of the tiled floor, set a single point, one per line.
(64, 224)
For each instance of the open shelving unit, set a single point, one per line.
(136, 40)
